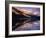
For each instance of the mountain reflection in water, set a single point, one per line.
(21, 22)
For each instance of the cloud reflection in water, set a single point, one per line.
(25, 18)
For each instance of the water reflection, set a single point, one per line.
(23, 20)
